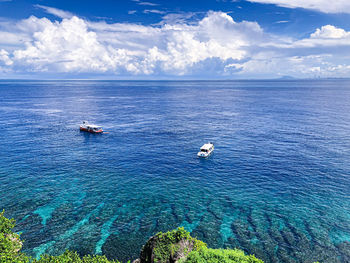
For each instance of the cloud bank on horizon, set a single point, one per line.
(214, 46)
(338, 6)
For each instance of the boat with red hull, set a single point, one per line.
(87, 127)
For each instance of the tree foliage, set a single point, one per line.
(10, 243)
(167, 244)
(73, 257)
(208, 255)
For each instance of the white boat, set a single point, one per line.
(87, 127)
(206, 150)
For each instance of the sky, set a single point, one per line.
(183, 39)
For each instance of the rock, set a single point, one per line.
(168, 247)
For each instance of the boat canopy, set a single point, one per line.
(207, 146)
(93, 126)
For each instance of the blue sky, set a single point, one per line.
(211, 39)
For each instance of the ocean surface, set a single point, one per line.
(277, 184)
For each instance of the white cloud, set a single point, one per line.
(282, 22)
(10, 38)
(312, 66)
(330, 31)
(215, 45)
(68, 47)
(154, 11)
(55, 11)
(329, 38)
(183, 17)
(144, 3)
(75, 45)
(147, 3)
(325, 6)
(325, 53)
(4, 58)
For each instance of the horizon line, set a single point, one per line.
(245, 79)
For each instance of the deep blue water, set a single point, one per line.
(277, 185)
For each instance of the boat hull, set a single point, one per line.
(204, 155)
(90, 130)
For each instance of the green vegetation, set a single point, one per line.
(173, 246)
(178, 246)
(68, 257)
(170, 243)
(10, 243)
(208, 255)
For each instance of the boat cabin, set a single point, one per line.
(206, 150)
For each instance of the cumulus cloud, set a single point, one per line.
(75, 45)
(10, 38)
(4, 58)
(330, 31)
(322, 54)
(325, 6)
(215, 45)
(68, 46)
(328, 38)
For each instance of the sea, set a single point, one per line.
(277, 185)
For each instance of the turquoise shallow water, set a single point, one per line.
(277, 185)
